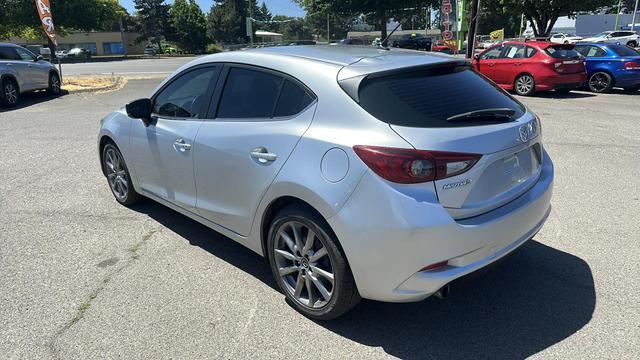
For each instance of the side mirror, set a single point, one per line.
(140, 109)
(38, 58)
(476, 56)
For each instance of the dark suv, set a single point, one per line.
(413, 41)
(22, 71)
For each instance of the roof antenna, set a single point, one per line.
(383, 43)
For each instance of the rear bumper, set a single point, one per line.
(388, 237)
(558, 81)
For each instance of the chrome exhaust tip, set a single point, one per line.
(444, 291)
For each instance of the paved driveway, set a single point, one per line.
(82, 277)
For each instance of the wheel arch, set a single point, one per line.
(104, 140)
(11, 77)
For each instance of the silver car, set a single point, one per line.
(357, 172)
(21, 71)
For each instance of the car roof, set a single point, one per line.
(9, 44)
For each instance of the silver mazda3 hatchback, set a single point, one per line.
(357, 172)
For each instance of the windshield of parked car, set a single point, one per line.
(427, 98)
(563, 52)
(622, 50)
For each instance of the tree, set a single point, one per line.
(543, 14)
(153, 16)
(189, 25)
(226, 21)
(18, 17)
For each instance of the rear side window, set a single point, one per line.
(514, 52)
(427, 98)
(531, 51)
(293, 99)
(624, 50)
(8, 53)
(563, 52)
(249, 94)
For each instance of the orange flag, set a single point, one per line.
(44, 10)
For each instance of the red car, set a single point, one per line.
(527, 67)
(444, 47)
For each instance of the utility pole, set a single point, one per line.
(618, 14)
(635, 10)
(328, 30)
(250, 22)
(473, 28)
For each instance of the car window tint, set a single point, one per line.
(531, 51)
(514, 52)
(426, 98)
(249, 94)
(293, 99)
(563, 52)
(622, 50)
(492, 54)
(8, 53)
(186, 97)
(25, 55)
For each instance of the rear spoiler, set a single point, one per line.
(351, 85)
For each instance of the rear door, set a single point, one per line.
(420, 106)
(163, 152)
(509, 64)
(37, 73)
(240, 149)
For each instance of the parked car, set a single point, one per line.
(358, 42)
(150, 52)
(21, 71)
(381, 174)
(527, 67)
(629, 38)
(561, 38)
(61, 54)
(414, 42)
(444, 47)
(610, 66)
(79, 53)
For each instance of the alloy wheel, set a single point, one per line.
(54, 84)
(599, 82)
(524, 84)
(116, 173)
(10, 93)
(304, 265)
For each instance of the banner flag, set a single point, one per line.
(44, 11)
(497, 35)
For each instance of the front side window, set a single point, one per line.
(249, 94)
(591, 51)
(187, 96)
(25, 55)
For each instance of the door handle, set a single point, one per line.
(491, 64)
(181, 146)
(262, 155)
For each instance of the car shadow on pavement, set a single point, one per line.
(575, 94)
(31, 98)
(531, 300)
(535, 298)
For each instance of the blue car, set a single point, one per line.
(611, 65)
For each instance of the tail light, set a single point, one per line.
(410, 166)
(632, 65)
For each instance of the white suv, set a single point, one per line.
(629, 38)
(22, 71)
(561, 38)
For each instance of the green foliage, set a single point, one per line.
(213, 49)
(226, 21)
(18, 17)
(189, 25)
(153, 16)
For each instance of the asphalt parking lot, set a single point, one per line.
(82, 277)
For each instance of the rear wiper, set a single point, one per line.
(496, 113)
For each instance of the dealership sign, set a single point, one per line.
(448, 21)
(44, 11)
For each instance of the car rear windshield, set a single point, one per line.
(563, 52)
(624, 50)
(427, 98)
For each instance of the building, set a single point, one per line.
(98, 42)
(587, 25)
(268, 36)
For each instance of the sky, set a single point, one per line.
(277, 7)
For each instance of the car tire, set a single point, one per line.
(10, 93)
(525, 85)
(118, 176)
(600, 82)
(317, 271)
(55, 86)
